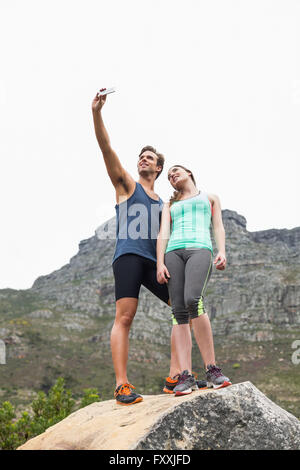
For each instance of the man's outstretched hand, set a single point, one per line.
(98, 102)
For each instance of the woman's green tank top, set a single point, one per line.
(191, 219)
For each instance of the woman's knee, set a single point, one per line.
(181, 317)
(195, 306)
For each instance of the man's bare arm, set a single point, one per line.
(118, 175)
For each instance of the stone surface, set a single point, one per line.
(236, 417)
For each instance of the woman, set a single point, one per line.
(184, 262)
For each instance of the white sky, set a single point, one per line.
(215, 86)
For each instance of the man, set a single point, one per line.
(134, 262)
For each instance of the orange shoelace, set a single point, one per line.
(124, 390)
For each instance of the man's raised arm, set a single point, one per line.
(116, 172)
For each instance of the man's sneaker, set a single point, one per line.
(170, 383)
(215, 377)
(125, 396)
(186, 384)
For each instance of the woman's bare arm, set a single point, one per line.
(219, 231)
(161, 245)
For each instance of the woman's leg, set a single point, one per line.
(181, 335)
(174, 364)
(161, 291)
(197, 274)
(183, 347)
(204, 338)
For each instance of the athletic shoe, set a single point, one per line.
(124, 395)
(186, 384)
(215, 377)
(170, 383)
(202, 384)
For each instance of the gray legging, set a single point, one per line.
(190, 270)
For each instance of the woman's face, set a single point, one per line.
(178, 176)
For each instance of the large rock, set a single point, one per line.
(237, 417)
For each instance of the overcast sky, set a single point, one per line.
(214, 86)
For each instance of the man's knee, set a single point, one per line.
(124, 318)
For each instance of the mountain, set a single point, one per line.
(61, 325)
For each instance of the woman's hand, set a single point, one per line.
(220, 261)
(162, 274)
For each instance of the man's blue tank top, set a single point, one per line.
(137, 225)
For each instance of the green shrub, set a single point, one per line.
(90, 396)
(47, 411)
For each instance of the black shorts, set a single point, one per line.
(131, 271)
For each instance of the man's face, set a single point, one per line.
(147, 163)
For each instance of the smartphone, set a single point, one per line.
(105, 91)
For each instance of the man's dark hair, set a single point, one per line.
(160, 157)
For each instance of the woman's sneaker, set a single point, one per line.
(202, 384)
(170, 384)
(186, 384)
(215, 377)
(124, 395)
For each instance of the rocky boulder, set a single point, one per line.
(237, 417)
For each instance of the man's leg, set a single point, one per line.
(125, 312)
(128, 271)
